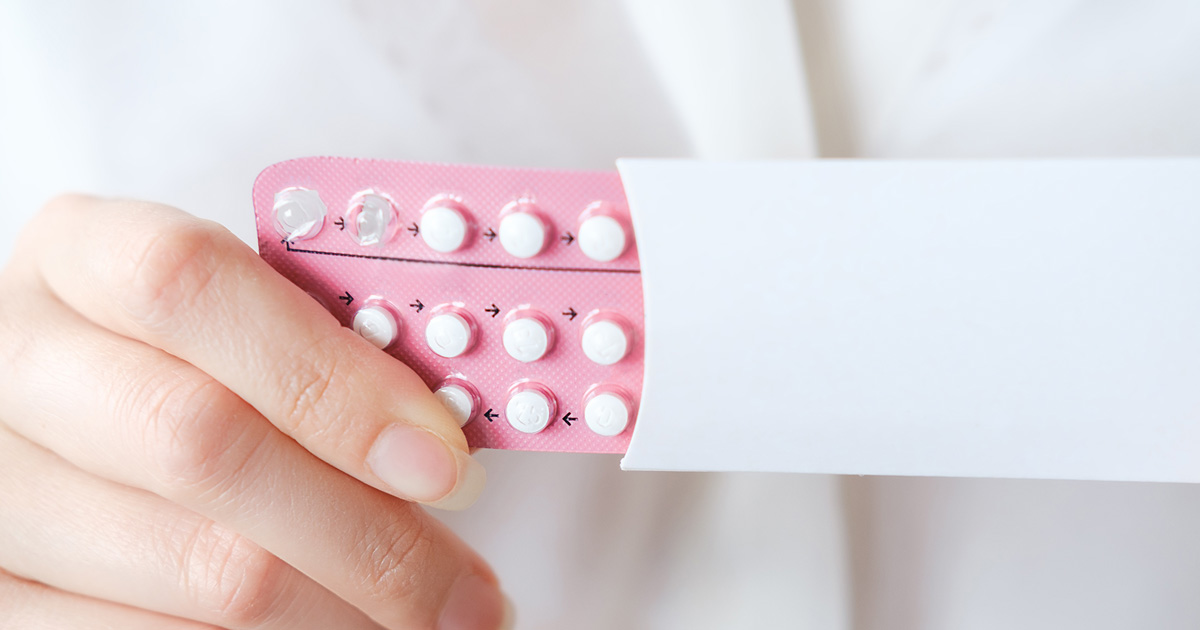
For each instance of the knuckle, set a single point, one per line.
(309, 384)
(15, 596)
(60, 204)
(195, 433)
(168, 270)
(61, 201)
(19, 343)
(33, 234)
(394, 556)
(238, 582)
(16, 345)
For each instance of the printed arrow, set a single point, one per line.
(346, 298)
(570, 312)
(568, 238)
(490, 415)
(569, 418)
(494, 310)
(418, 305)
(341, 223)
(414, 228)
(490, 234)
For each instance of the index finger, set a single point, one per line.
(191, 288)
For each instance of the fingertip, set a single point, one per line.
(475, 603)
(418, 465)
(472, 478)
(508, 622)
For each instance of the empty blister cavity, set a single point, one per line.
(299, 213)
(372, 219)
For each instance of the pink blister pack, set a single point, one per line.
(515, 294)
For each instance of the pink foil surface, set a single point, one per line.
(407, 273)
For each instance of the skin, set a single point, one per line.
(188, 441)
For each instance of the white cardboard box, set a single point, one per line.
(968, 318)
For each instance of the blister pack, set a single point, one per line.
(515, 294)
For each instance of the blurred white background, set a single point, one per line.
(185, 102)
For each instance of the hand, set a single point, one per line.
(186, 438)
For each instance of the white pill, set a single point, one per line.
(443, 229)
(299, 213)
(448, 334)
(526, 339)
(376, 325)
(606, 414)
(528, 411)
(458, 401)
(375, 222)
(605, 342)
(602, 238)
(522, 234)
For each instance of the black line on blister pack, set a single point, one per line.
(457, 264)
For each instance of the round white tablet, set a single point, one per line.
(605, 342)
(528, 411)
(606, 414)
(526, 339)
(458, 402)
(522, 234)
(299, 213)
(376, 325)
(602, 238)
(443, 229)
(448, 334)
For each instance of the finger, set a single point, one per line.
(152, 421)
(32, 606)
(191, 288)
(67, 529)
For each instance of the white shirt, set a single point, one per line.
(186, 104)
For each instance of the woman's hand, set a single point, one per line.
(186, 438)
